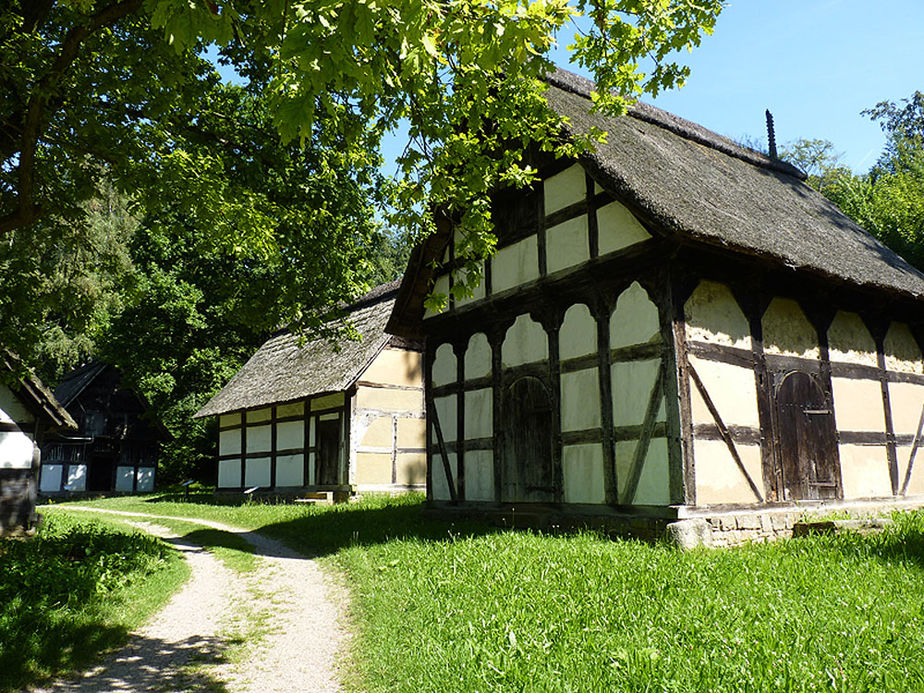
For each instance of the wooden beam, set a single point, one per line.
(447, 468)
(641, 449)
(914, 450)
(602, 319)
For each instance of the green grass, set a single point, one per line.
(76, 590)
(469, 608)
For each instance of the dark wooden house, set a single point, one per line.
(325, 417)
(672, 326)
(28, 414)
(117, 444)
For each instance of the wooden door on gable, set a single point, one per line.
(528, 471)
(807, 439)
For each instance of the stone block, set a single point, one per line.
(748, 522)
(689, 534)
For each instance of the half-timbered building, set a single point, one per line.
(672, 326)
(326, 416)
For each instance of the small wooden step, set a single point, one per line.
(321, 497)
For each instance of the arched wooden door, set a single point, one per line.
(528, 473)
(808, 439)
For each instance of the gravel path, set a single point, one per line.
(288, 597)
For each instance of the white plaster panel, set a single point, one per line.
(77, 478)
(257, 472)
(654, 483)
(438, 475)
(446, 412)
(849, 341)
(290, 470)
(582, 471)
(567, 244)
(525, 342)
(312, 470)
(907, 400)
(229, 442)
(580, 400)
(330, 401)
(444, 365)
(396, 367)
(50, 478)
(865, 471)
(787, 331)
(478, 292)
(16, 450)
(632, 382)
(718, 477)
(229, 473)
(916, 483)
(479, 414)
(230, 419)
(564, 189)
(259, 438)
(145, 479)
(259, 415)
(292, 409)
(290, 434)
(732, 390)
(479, 475)
(635, 320)
(617, 228)
(12, 409)
(515, 264)
(858, 405)
(901, 350)
(713, 316)
(578, 333)
(478, 357)
(440, 288)
(125, 479)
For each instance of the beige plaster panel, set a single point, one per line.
(580, 400)
(567, 244)
(446, 413)
(479, 413)
(257, 472)
(564, 189)
(411, 469)
(858, 405)
(259, 415)
(479, 475)
(11, 409)
(290, 435)
(906, 400)
(379, 434)
(732, 390)
(916, 483)
(438, 475)
(901, 350)
(718, 477)
(865, 471)
(444, 365)
(335, 399)
(632, 382)
(654, 485)
(259, 438)
(849, 341)
(477, 357)
(389, 400)
(478, 291)
(787, 331)
(515, 264)
(292, 409)
(396, 367)
(578, 333)
(230, 419)
(635, 320)
(714, 316)
(525, 342)
(373, 468)
(412, 433)
(582, 471)
(290, 470)
(617, 229)
(441, 288)
(229, 442)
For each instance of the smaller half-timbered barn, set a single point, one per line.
(324, 416)
(117, 443)
(672, 327)
(28, 413)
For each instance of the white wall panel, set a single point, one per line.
(12, 409)
(865, 471)
(632, 382)
(478, 292)
(229, 442)
(478, 357)
(292, 409)
(290, 435)
(77, 478)
(145, 476)
(635, 320)
(618, 229)
(515, 264)
(849, 341)
(714, 316)
(732, 389)
(259, 438)
(718, 477)
(259, 415)
(440, 287)
(901, 350)
(858, 405)
(257, 472)
(578, 333)
(444, 365)
(16, 450)
(567, 244)
(290, 470)
(125, 479)
(564, 189)
(582, 472)
(446, 412)
(229, 473)
(440, 487)
(787, 330)
(50, 479)
(233, 419)
(525, 342)
(580, 400)
(479, 475)
(479, 414)
(654, 483)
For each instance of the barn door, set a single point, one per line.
(328, 452)
(528, 473)
(808, 439)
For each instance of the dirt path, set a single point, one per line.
(288, 597)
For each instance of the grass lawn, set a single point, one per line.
(442, 607)
(75, 590)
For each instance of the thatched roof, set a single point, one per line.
(35, 396)
(282, 371)
(703, 188)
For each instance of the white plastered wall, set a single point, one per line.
(903, 355)
(787, 330)
(617, 228)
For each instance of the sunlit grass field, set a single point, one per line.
(449, 607)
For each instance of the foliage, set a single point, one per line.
(73, 591)
(818, 159)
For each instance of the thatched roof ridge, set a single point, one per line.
(282, 371)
